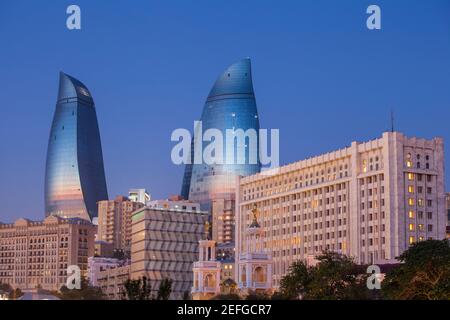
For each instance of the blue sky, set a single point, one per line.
(320, 76)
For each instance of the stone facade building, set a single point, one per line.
(37, 253)
(370, 200)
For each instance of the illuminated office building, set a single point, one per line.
(37, 253)
(164, 245)
(114, 221)
(230, 104)
(370, 201)
(75, 176)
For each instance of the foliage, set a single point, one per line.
(293, 285)
(5, 287)
(165, 289)
(334, 277)
(121, 254)
(87, 292)
(424, 273)
(15, 294)
(254, 295)
(137, 289)
(187, 295)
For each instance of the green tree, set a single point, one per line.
(334, 277)
(165, 289)
(5, 287)
(15, 294)
(187, 295)
(137, 289)
(337, 277)
(294, 284)
(254, 295)
(424, 273)
(87, 292)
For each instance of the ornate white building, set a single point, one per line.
(254, 265)
(206, 272)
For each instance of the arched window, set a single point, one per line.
(259, 275)
(210, 281)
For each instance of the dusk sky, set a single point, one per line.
(320, 77)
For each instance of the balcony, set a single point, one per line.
(254, 285)
(206, 264)
(205, 290)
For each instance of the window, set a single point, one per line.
(411, 227)
(411, 214)
(411, 201)
(410, 176)
(408, 160)
(411, 240)
(410, 189)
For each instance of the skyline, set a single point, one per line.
(300, 66)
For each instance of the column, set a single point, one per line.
(249, 279)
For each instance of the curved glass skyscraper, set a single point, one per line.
(75, 176)
(230, 105)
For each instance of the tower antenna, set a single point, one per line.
(392, 120)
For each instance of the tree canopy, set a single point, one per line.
(334, 277)
(423, 275)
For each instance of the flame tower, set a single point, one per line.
(230, 104)
(75, 176)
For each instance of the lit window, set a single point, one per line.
(364, 166)
(410, 176)
(411, 214)
(411, 240)
(411, 189)
(411, 227)
(411, 201)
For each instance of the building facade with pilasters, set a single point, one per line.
(370, 200)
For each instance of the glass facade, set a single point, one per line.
(75, 176)
(230, 105)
